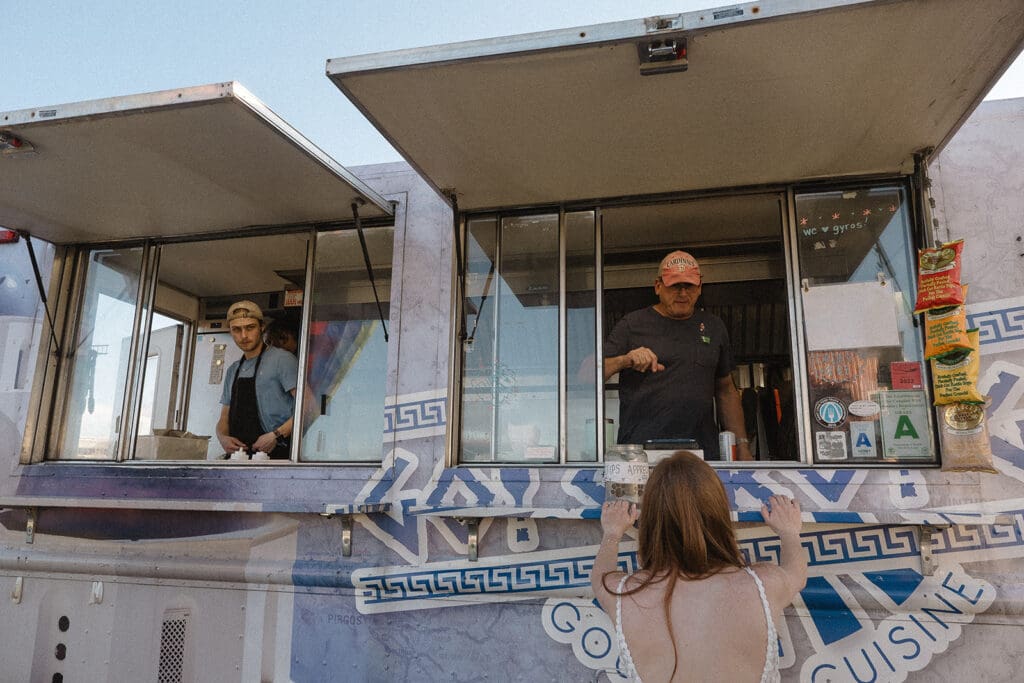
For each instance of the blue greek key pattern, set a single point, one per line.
(998, 326)
(404, 417)
(384, 589)
(961, 538)
(508, 579)
(836, 547)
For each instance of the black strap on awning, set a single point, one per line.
(460, 271)
(369, 268)
(41, 288)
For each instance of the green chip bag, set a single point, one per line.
(955, 375)
(945, 330)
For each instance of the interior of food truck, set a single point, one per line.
(172, 407)
(512, 301)
(814, 285)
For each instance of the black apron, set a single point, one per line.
(244, 412)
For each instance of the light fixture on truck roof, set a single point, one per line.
(8, 236)
(662, 56)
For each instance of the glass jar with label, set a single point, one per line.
(625, 472)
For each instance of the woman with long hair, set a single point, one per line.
(695, 611)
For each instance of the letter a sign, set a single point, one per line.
(904, 424)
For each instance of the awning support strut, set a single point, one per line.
(369, 268)
(41, 288)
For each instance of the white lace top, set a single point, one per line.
(770, 674)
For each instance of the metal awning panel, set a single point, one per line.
(205, 159)
(774, 92)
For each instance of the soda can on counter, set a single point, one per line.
(727, 445)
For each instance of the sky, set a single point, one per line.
(59, 52)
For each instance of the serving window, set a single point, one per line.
(149, 345)
(815, 291)
(867, 392)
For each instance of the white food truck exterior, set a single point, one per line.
(437, 518)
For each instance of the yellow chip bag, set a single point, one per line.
(945, 330)
(955, 375)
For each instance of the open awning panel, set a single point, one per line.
(198, 160)
(774, 92)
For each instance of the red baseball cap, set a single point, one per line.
(679, 267)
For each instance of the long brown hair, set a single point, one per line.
(685, 529)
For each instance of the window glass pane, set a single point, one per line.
(741, 313)
(478, 357)
(510, 379)
(100, 355)
(865, 368)
(581, 338)
(21, 326)
(347, 365)
(198, 282)
(160, 409)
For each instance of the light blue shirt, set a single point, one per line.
(279, 372)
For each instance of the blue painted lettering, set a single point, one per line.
(899, 641)
(959, 590)
(932, 611)
(891, 667)
(814, 674)
(856, 676)
(921, 626)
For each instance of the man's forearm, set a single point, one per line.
(615, 364)
(222, 427)
(284, 430)
(731, 412)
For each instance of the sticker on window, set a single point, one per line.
(863, 439)
(830, 445)
(829, 412)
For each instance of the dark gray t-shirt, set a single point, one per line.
(677, 402)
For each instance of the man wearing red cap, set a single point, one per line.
(674, 363)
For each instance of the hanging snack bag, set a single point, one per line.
(945, 330)
(938, 276)
(963, 437)
(955, 375)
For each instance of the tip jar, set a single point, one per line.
(625, 472)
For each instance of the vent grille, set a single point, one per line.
(172, 648)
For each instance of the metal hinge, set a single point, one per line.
(346, 532)
(472, 537)
(928, 534)
(31, 517)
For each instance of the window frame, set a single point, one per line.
(46, 424)
(790, 247)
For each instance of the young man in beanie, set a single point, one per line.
(674, 362)
(258, 398)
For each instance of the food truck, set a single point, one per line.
(436, 518)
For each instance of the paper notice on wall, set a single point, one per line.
(852, 315)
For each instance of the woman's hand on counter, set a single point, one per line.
(782, 514)
(617, 516)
